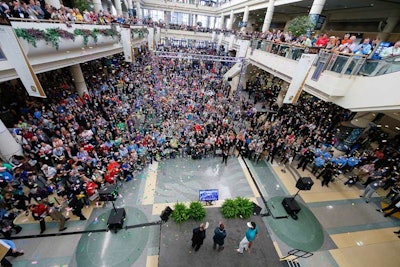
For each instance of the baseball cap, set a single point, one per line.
(251, 225)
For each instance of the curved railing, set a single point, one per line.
(327, 60)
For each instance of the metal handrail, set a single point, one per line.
(294, 252)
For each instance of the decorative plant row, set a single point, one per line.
(238, 207)
(231, 208)
(181, 213)
(53, 35)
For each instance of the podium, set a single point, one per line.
(116, 219)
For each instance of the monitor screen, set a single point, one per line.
(208, 195)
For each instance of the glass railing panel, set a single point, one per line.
(381, 67)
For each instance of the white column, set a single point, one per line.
(245, 17)
(118, 7)
(79, 81)
(230, 21)
(138, 10)
(97, 6)
(268, 16)
(221, 23)
(54, 3)
(194, 19)
(8, 145)
(317, 7)
(130, 7)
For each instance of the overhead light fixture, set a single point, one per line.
(397, 128)
(378, 125)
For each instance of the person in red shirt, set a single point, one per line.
(39, 213)
(322, 41)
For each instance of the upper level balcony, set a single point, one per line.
(53, 45)
(347, 80)
(350, 81)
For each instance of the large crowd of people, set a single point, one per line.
(160, 108)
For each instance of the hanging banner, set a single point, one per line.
(126, 42)
(299, 78)
(16, 57)
(244, 44)
(150, 38)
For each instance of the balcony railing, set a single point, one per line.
(327, 60)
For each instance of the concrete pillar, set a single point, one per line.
(388, 29)
(208, 22)
(54, 3)
(221, 23)
(8, 145)
(230, 21)
(317, 7)
(138, 10)
(118, 7)
(245, 17)
(268, 16)
(79, 81)
(194, 19)
(97, 6)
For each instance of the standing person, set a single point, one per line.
(370, 189)
(327, 175)
(55, 214)
(39, 213)
(225, 155)
(219, 236)
(247, 241)
(199, 234)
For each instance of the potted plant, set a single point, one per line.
(196, 211)
(180, 213)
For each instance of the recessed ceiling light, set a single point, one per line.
(387, 126)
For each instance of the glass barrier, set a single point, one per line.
(342, 63)
(282, 49)
(380, 67)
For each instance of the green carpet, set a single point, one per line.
(113, 249)
(305, 233)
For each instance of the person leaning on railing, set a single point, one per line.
(391, 51)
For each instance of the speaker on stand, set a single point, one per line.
(290, 204)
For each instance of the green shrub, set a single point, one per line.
(180, 213)
(233, 208)
(229, 209)
(244, 207)
(197, 211)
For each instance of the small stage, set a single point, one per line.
(176, 250)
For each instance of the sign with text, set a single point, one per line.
(299, 77)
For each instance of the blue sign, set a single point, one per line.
(379, 49)
(208, 195)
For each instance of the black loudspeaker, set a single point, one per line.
(166, 213)
(304, 183)
(256, 209)
(229, 79)
(116, 219)
(291, 206)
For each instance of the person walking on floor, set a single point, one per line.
(199, 234)
(248, 239)
(370, 189)
(394, 206)
(219, 236)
